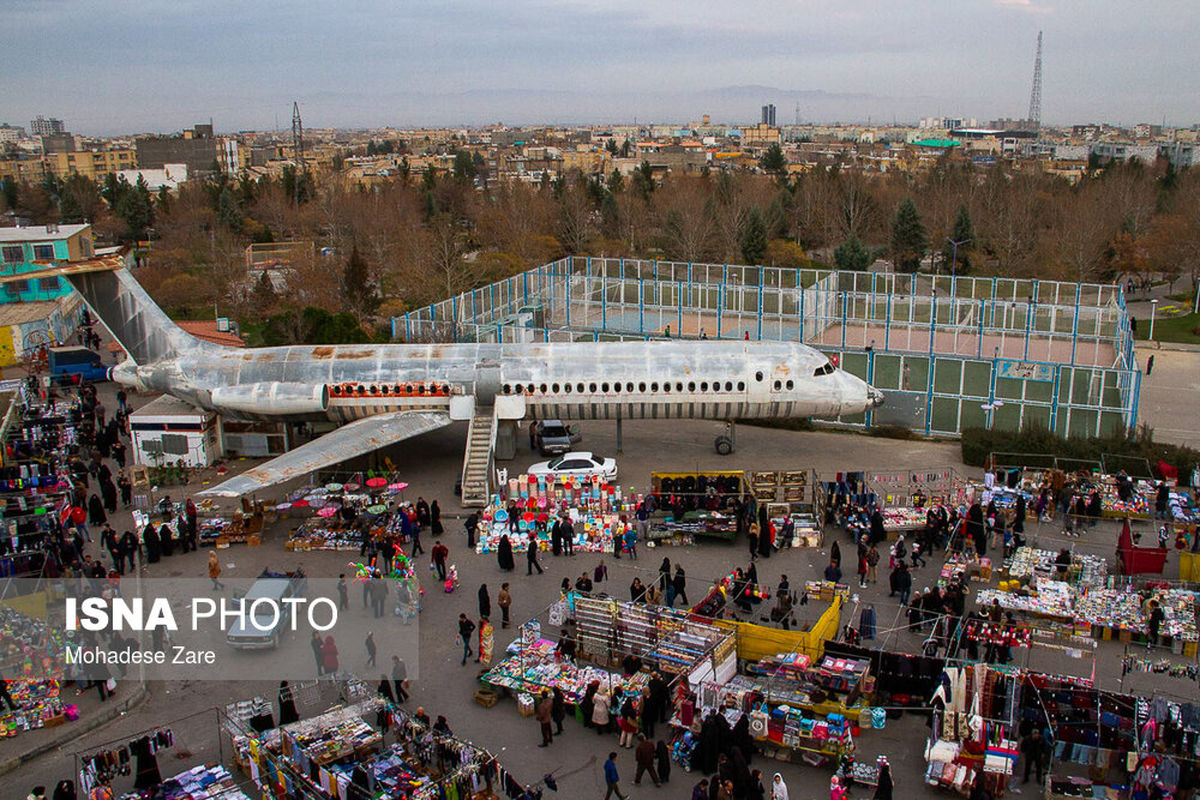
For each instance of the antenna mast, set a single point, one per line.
(297, 146)
(1035, 96)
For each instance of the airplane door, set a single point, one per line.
(758, 384)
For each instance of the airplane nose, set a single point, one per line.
(874, 396)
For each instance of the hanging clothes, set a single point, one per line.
(866, 622)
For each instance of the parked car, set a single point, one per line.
(552, 437)
(276, 586)
(576, 464)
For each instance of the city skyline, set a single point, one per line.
(159, 67)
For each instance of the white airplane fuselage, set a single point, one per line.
(568, 380)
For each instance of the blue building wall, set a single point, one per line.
(37, 288)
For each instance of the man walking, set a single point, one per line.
(611, 778)
(440, 553)
(1033, 747)
(465, 629)
(400, 678)
(370, 645)
(644, 756)
(543, 713)
(531, 557)
(504, 600)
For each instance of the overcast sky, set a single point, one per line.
(126, 66)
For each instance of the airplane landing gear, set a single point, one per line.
(725, 443)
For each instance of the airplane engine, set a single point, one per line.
(272, 399)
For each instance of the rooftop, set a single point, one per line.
(206, 329)
(40, 233)
(21, 313)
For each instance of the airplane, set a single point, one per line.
(383, 394)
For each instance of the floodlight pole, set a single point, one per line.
(1153, 308)
(954, 258)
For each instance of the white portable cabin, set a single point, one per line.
(168, 431)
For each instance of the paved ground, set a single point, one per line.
(430, 464)
(1168, 399)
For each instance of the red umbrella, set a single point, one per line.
(398, 487)
(375, 483)
(327, 511)
(300, 504)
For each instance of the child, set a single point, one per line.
(600, 573)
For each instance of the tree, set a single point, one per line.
(10, 191)
(773, 160)
(228, 212)
(616, 182)
(136, 209)
(263, 296)
(963, 232)
(163, 201)
(626, 149)
(359, 293)
(464, 167)
(69, 210)
(851, 254)
(909, 239)
(643, 180)
(754, 238)
(611, 147)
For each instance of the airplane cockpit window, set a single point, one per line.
(825, 369)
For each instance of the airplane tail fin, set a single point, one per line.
(115, 297)
(135, 320)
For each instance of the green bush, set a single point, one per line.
(892, 432)
(979, 443)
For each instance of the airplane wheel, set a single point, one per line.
(723, 445)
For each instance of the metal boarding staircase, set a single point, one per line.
(477, 460)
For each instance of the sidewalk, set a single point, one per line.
(92, 715)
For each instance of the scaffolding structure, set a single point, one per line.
(950, 352)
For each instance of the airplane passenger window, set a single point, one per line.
(641, 387)
(566, 388)
(520, 389)
(592, 388)
(778, 386)
(604, 387)
(741, 386)
(679, 386)
(507, 389)
(579, 388)
(529, 388)
(728, 386)
(617, 388)
(691, 386)
(790, 385)
(629, 387)
(543, 388)
(666, 387)
(758, 376)
(554, 387)
(704, 386)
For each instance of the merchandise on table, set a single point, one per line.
(597, 511)
(1085, 570)
(198, 783)
(1053, 599)
(39, 705)
(1111, 608)
(903, 518)
(1179, 608)
(968, 565)
(538, 667)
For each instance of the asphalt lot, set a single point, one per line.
(430, 464)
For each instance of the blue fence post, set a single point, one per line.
(802, 314)
(604, 300)
(679, 309)
(887, 323)
(982, 313)
(525, 286)
(454, 315)
(641, 306)
(932, 322)
(407, 328)
(1137, 397)
(871, 382)
(1054, 398)
(845, 300)
(992, 392)
(1075, 324)
(1029, 312)
(393, 321)
(720, 307)
(928, 393)
(760, 304)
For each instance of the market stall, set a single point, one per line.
(974, 732)
(691, 504)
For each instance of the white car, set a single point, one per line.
(576, 464)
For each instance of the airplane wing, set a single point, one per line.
(348, 441)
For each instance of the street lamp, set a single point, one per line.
(1153, 308)
(1196, 304)
(954, 258)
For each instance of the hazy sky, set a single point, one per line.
(125, 66)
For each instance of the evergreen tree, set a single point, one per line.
(626, 149)
(163, 201)
(611, 147)
(643, 180)
(963, 232)
(359, 293)
(70, 211)
(136, 209)
(777, 221)
(909, 239)
(464, 167)
(754, 237)
(773, 160)
(11, 193)
(610, 214)
(228, 212)
(852, 254)
(616, 182)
